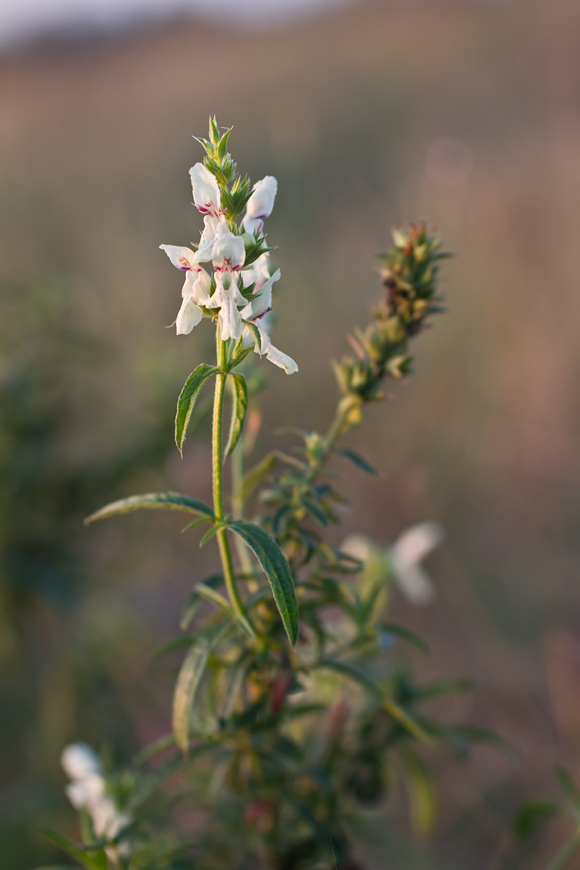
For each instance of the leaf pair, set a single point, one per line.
(188, 398)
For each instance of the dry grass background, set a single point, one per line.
(95, 143)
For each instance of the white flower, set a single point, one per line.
(280, 359)
(403, 559)
(259, 274)
(87, 790)
(406, 555)
(228, 257)
(206, 196)
(195, 290)
(260, 204)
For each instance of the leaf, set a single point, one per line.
(274, 565)
(406, 720)
(389, 628)
(170, 646)
(256, 474)
(190, 674)
(92, 861)
(169, 501)
(356, 459)
(187, 399)
(240, 407)
(209, 594)
(421, 791)
(533, 814)
(194, 600)
(189, 678)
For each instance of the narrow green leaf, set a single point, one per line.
(189, 678)
(188, 681)
(211, 532)
(356, 459)
(421, 792)
(240, 396)
(316, 509)
(169, 501)
(209, 594)
(92, 861)
(187, 399)
(390, 628)
(274, 565)
(194, 600)
(406, 720)
(566, 854)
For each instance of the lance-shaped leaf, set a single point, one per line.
(356, 459)
(240, 396)
(169, 501)
(421, 792)
(93, 860)
(274, 565)
(187, 399)
(190, 676)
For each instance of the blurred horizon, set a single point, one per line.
(29, 21)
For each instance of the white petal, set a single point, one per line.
(227, 300)
(200, 287)
(416, 543)
(282, 360)
(228, 251)
(261, 302)
(189, 315)
(415, 585)
(84, 793)
(182, 258)
(261, 203)
(80, 761)
(206, 192)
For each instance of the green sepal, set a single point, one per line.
(169, 501)
(276, 568)
(187, 399)
(240, 406)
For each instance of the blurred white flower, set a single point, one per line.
(260, 204)
(406, 555)
(87, 790)
(403, 560)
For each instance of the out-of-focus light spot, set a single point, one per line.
(448, 162)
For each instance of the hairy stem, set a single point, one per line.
(217, 469)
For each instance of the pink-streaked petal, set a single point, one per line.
(206, 192)
(261, 202)
(182, 258)
(189, 316)
(229, 251)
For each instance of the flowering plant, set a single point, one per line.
(291, 714)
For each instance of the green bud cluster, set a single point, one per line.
(409, 273)
(235, 190)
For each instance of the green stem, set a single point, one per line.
(237, 464)
(218, 501)
(338, 426)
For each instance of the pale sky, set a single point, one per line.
(21, 19)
